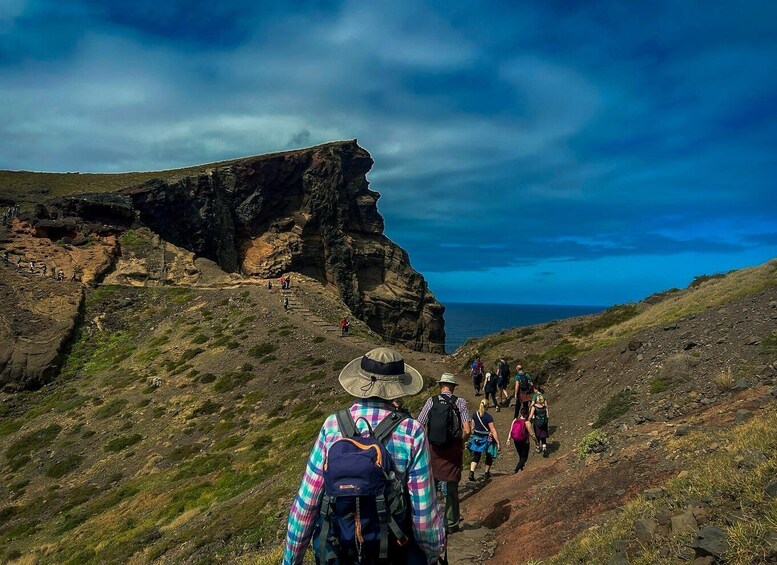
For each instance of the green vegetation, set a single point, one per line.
(259, 351)
(206, 408)
(33, 441)
(592, 441)
(717, 478)
(769, 345)
(138, 242)
(616, 407)
(111, 409)
(122, 442)
(61, 468)
(610, 317)
(658, 385)
(230, 381)
(319, 339)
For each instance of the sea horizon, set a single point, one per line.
(472, 320)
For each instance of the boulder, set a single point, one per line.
(742, 414)
(741, 385)
(710, 542)
(684, 522)
(645, 529)
(771, 489)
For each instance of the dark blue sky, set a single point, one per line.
(538, 152)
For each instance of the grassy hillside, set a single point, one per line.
(102, 466)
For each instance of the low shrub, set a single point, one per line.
(616, 407)
(591, 442)
(262, 349)
(111, 409)
(33, 441)
(121, 442)
(206, 408)
(724, 379)
(658, 385)
(61, 468)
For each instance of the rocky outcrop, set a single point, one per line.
(37, 318)
(308, 211)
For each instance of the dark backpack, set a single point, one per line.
(540, 416)
(525, 382)
(504, 370)
(365, 507)
(444, 424)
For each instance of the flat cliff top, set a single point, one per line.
(31, 187)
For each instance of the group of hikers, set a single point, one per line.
(10, 214)
(36, 267)
(370, 490)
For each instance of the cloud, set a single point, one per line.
(503, 135)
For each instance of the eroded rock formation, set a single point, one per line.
(308, 211)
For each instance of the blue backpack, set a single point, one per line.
(365, 507)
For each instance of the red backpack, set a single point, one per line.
(518, 431)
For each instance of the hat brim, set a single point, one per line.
(359, 383)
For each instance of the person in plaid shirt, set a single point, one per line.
(375, 379)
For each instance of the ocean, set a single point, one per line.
(465, 320)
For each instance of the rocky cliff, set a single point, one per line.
(308, 211)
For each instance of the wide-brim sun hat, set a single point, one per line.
(448, 379)
(382, 373)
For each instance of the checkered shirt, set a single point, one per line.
(410, 452)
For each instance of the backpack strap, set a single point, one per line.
(387, 426)
(326, 555)
(346, 424)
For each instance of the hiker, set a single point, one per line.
(61, 275)
(520, 432)
(44, 269)
(538, 416)
(19, 263)
(477, 374)
(490, 388)
(283, 283)
(326, 520)
(447, 422)
(484, 440)
(5, 256)
(32, 266)
(74, 276)
(286, 303)
(503, 380)
(523, 389)
(345, 326)
(269, 285)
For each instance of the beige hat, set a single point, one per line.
(447, 379)
(381, 372)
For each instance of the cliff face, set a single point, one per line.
(308, 211)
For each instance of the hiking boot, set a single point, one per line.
(471, 476)
(544, 447)
(497, 408)
(539, 449)
(487, 475)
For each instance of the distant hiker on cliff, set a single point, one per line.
(503, 380)
(269, 285)
(286, 303)
(490, 388)
(478, 372)
(447, 422)
(345, 326)
(44, 269)
(5, 256)
(61, 275)
(520, 432)
(19, 263)
(484, 440)
(539, 419)
(368, 447)
(283, 283)
(32, 266)
(523, 389)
